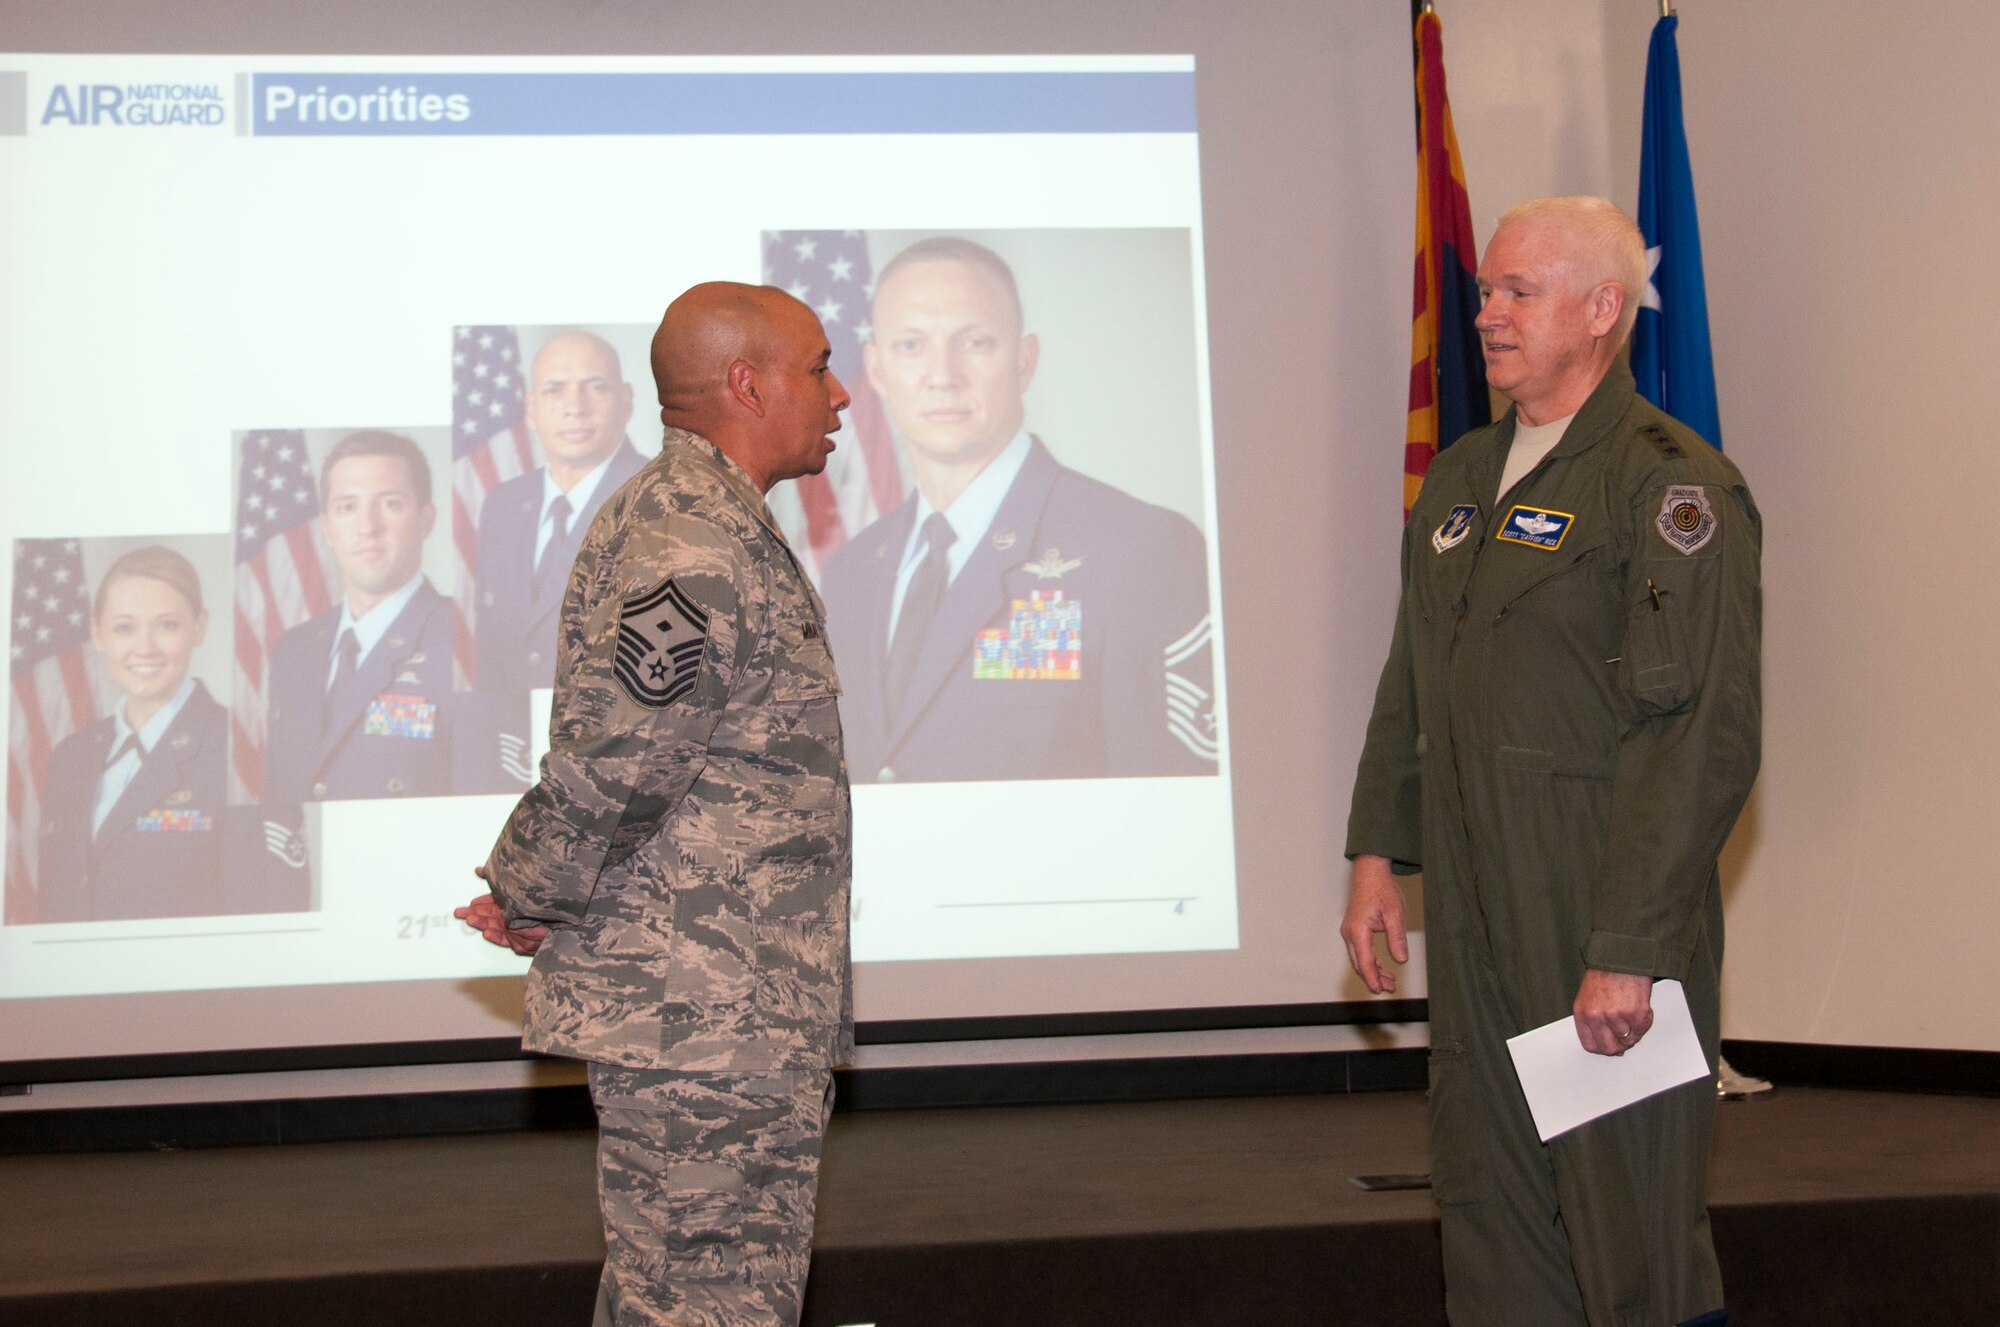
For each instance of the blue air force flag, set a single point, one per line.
(1670, 354)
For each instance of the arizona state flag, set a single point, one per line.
(1670, 351)
(1447, 372)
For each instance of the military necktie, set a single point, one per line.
(130, 744)
(552, 569)
(347, 655)
(920, 605)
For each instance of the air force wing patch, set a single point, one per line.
(1457, 525)
(1686, 519)
(661, 635)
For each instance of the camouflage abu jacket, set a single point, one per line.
(689, 839)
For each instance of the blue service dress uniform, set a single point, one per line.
(1110, 595)
(163, 846)
(515, 629)
(389, 731)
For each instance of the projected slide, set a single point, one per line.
(313, 372)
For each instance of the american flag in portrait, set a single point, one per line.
(829, 269)
(284, 575)
(489, 446)
(54, 673)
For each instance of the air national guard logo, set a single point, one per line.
(1457, 525)
(1536, 527)
(1686, 520)
(661, 636)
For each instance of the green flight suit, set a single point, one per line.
(1565, 731)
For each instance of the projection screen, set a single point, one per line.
(297, 343)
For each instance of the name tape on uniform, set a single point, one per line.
(1537, 527)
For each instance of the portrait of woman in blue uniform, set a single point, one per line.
(134, 805)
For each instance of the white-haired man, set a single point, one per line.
(1565, 731)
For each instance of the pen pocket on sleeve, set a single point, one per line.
(1654, 663)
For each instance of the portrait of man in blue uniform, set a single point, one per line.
(361, 700)
(1014, 618)
(578, 405)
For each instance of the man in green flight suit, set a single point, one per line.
(680, 872)
(1564, 733)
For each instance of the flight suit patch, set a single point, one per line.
(1686, 519)
(662, 634)
(1537, 527)
(1042, 641)
(400, 716)
(1457, 525)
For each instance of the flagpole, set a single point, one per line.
(1666, 8)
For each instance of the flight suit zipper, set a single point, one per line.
(1459, 612)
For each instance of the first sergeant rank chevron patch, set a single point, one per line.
(661, 635)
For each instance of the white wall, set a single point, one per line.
(1847, 165)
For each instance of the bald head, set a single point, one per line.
(709, 328)
(578, 403)
(746, 367)
(577, 344)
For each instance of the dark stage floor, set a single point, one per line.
(1830, 1207)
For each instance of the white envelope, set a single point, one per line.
(1566, 1085)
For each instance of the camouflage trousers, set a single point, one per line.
(706, 1183)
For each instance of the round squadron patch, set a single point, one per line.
(661, 636)
(1686, 519)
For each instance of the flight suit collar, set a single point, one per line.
(1555, 491)
(1600, 413)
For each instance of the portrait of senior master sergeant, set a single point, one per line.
(680, 872)
(361, 694)
(578, 404)
(1565, 731)
(1013, 618)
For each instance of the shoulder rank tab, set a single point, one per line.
(1662, 442)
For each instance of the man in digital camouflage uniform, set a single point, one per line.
(1565, 731)
(681, 870)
